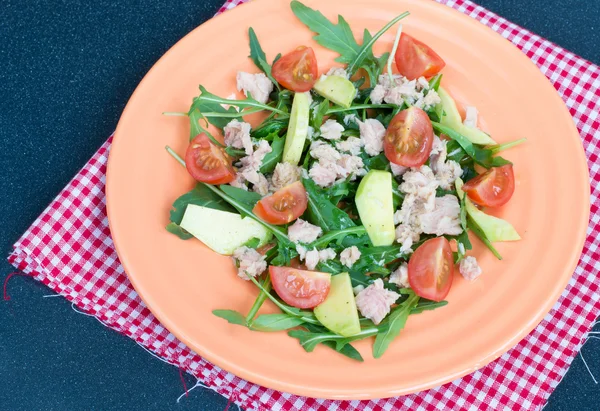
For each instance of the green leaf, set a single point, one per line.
(178, 231)
(307, 317)
(206, 104)
(274, 157)
(348, 350)
(336, 37)
(378, 162)
(309, 340)
(322, 212)
(210, 106)
(366, 50)
(479, 233)
(434, 82)
(395, 324)
(318, 112)
(269, 129)
(373, 259)
(250, 198)
(260, 299)
(427, 305)
(338, 236)
(482, 156)
(258, 56)
(276, 322)
(233, 317)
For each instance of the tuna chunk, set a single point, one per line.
(258, 85)
(331, 130)
(283, 175)
(469, 268)
(303, 231)
(375, 302)
(323, 175)
(351, 145)
(471, 115)
(400, 276)
(349, 256)
(249, 262)
(237, 135)
(444, 219)
(371, 134)
(324, 152)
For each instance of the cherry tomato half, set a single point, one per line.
(283, 206)
(207, 162)
(415, 58)
(409, 138)
(431, 269)
(297, 70)
(300, 288)
(492, 188)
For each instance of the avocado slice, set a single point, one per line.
(451, 118)
(494, 228)
(374, 201)
(297, 129)
(222, 231)
(338, 312)
(338, 89)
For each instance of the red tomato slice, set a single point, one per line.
(207, 162)
(415, 59)
(284, 206)
(297, 71)
(300, 288)
(431, 268)
(492, 188)
(409, 138)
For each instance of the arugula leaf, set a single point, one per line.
(260, 299)
(479, 233)
(258, 56)
(427, 305)
(318, 112)
(250, 198)
(205, 104)
(232, 317)
(267, 130)
(434, 82)
(336, 37)
(395, 324)
(378, 162)
(178, 231)
(307, 317)
(309, 340)
(338, 236)
(372, 259)
(322, 212)
(276, 322)
(331, 266)
(273, 157)
(199, 195)
(348, 350)
(482, 156)
(210, 106)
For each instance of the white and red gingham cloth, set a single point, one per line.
(69, 249)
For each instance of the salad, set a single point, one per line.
(349, 203)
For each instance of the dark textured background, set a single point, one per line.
(67, 69)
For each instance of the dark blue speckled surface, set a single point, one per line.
(67, 70)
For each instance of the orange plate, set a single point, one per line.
(183, 281)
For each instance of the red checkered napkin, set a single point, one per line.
(69, 248)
